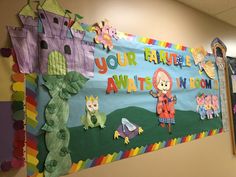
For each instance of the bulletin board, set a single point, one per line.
(94, 95)
(231, 71)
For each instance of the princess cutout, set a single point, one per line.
(165, 109)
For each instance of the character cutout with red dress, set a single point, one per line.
(165, 109)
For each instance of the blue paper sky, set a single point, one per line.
(109, 102)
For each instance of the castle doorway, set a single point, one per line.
(56, 63)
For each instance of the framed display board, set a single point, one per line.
(231, 75)
(94, 95)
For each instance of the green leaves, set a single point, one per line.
(57, 136)
(51, 108)
(64, 94)
(51, 166)
(64, 151)
(47, 128)
(74, 82)
(65, 86)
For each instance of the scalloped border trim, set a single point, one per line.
(32, 122)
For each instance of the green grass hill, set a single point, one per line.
(95, 142)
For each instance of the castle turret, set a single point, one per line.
(28, 17)
(84, 58)
(24, 41)
(53, 24)
(52, 6)
(54, 18)
(43, 44)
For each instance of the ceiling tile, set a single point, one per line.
(228, 16)
(211, 7)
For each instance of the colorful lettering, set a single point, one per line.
(121, 81)
(131, 86)
(102, 67)
(111, 86)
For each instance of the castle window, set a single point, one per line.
(66, 23)
(42, 16)
(219, 52)
(67, 49)
(43, 45)
(55, 20)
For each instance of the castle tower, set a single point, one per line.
(77, 53)
(84, 54)
(24, 40)
(49, 44)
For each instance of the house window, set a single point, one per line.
(66, 23)
(55, 20)
(42, 16)
(67, 49)
(43, 45)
